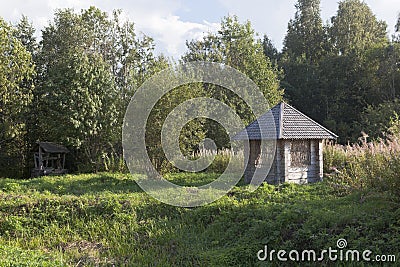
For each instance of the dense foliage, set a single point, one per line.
(334, 72)
(74, 85)
(16, 86)
(89, 66)
(235, 45)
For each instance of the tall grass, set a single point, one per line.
(221, 159)
(107, 220)
(366, 165)
(218, 161)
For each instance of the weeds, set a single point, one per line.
(365, 166)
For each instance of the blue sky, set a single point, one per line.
(172, 22)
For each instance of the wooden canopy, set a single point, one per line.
(50, 159)
(50, 147)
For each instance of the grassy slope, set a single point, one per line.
(105, 219)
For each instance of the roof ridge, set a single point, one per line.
(285, 125)
(311, 120)
(280, 127)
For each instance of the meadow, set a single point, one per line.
(106, 220)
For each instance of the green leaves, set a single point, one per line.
(355, 28)
(236, 44)
(16, 86)
(333, 72)
(15, 66)
(305, 33)
(89, 66)
(77, 86)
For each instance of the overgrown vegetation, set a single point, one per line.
(74, 85)
(88, 64)
(105, 219)
(218, 159)
(367, 166)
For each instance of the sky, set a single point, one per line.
(172, 22)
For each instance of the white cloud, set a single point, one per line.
(156, 19)
(160, 18)
(168, 30)
(173, 32)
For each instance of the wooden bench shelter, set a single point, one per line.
(50, 159)
(298, 156)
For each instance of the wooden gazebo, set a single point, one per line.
(299, 146)
(50, 159)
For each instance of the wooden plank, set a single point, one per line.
(286, 146)
(321, 159)
(278, 163)
(313, 152)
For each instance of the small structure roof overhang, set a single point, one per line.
(50, 147)
(284, 122)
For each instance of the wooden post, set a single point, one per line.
(321, 159)
(40, 159)
(246, 161)
(313, 168)
(278, 164)
(287, 160)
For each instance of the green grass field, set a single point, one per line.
(105, 220)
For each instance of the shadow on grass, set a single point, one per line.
(84, 184)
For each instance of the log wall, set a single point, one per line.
(295, 161)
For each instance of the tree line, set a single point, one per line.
(343, 73)
(74, 85)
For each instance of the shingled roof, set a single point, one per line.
(50, 147)
(288, 123)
